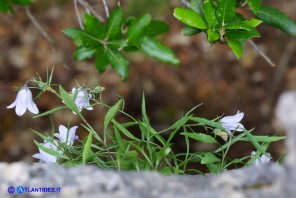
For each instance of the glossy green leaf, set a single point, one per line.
(114, 24)
(241, 34)
(137, 28)
(197, 6)
(253, 22)
(276, 18)
(200, 137)
(156, 28)
(254, 5)
(117, 44)
(159, 51)
(83, 53)
(225, 11)
(93, 26)
(189, 31)
(111, 114)
(213, 36)
(237, 26)
(102, 61)
(236, 47)
(87, 149)
(190, 18)
(82, 38)
(210, 11)
(118, 62)
(209, 158)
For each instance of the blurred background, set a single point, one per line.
(208, 74)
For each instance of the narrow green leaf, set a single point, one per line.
(255, 142)
(236, 47)
(190, 18)
(213, 36)
(87, 149)
(124, 130)
(156, 28)
(254, 5)
(210, 11)
(119, 63)
(265, 138)
(50, 112)
(137, 28)
(68, 100)
(82, 38)
(276, 18)
(83, 53)
(238, 26)
(200, 137)
(93, 26)
(225, 11)
(117, 44)
(197, 6)
(111, 114)
(209, 158)
(189, 31)
(102, 61)
(146, 120)
(114, 24)
(159, 51)
(50, 151)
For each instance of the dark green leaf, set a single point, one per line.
(83, 53)
(117, 44)
(5, 6)
(276, 18)
(241, 34)
(189, 31)
(22, 2)
(137, 28)
(102, 61)
(238, 26)
(93, 26)
(254, 5)
(197, 6)
(200, 137)
(82, 38)
(210, 11)
(209, 158)
(158, 50)
(156, 28)
(236, 47)
(213, 36)
(114, 24)
(190, 18)
(118, 62)
(225, 11)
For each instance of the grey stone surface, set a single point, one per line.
(266, 181)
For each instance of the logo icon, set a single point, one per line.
(10, 189)
(20, 190)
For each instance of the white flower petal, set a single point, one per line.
(232, 119)
(12, 105)
(41, 158)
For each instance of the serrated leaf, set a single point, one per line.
(237, 26)
(241, 34)
(276, 18)
(93, 26)
(200, 137)
(87, 149)
(156, 28)
(189, 31)
(82, 38)
(114, 24)
(118, 62)
(83, 53)
(213, 36)
(236, 47)
(254, 5)
(111, 114)
(159, 51)
(210, 13)
(137, 28)
(225, 11)
(102, 61)
(209, 158)
(190, 18)
(197, 6)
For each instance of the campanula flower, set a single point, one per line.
(264, 159)
(46, 157)
(67, 135)
(232, 123)
(24, 101)
(82, 98)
